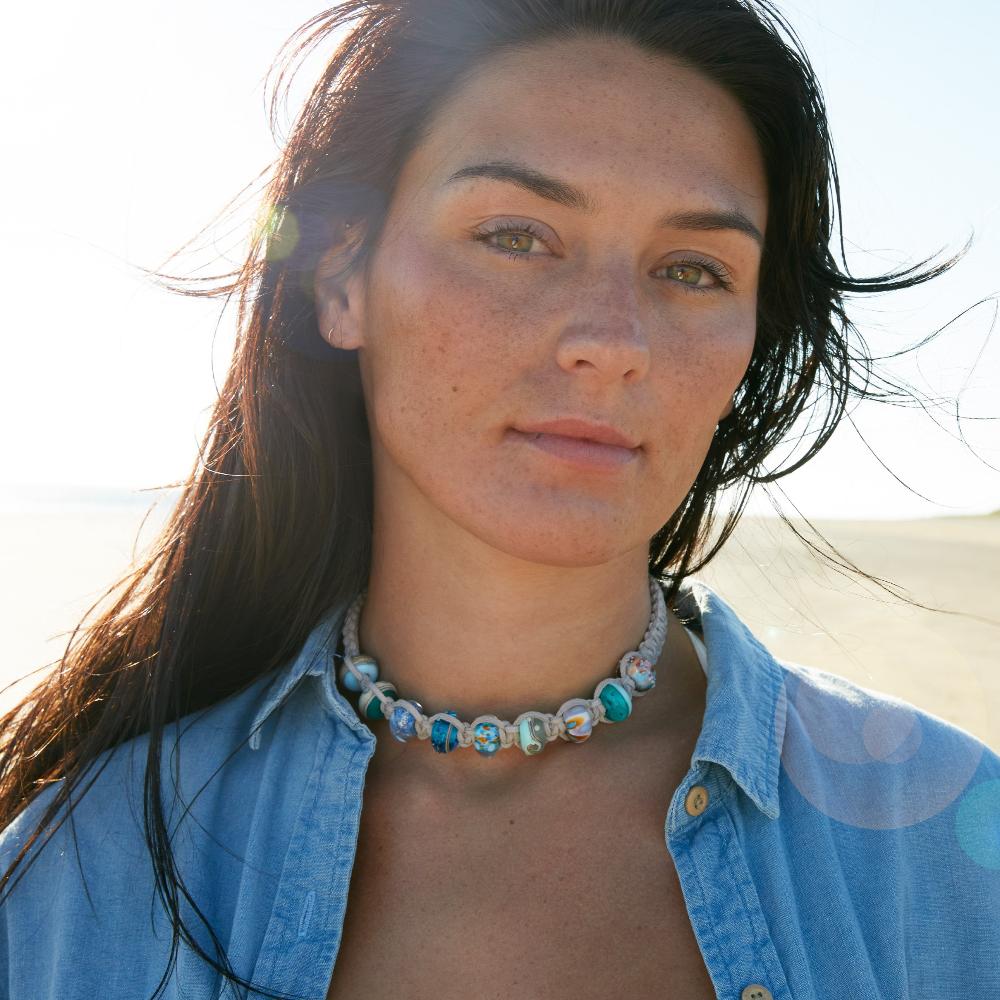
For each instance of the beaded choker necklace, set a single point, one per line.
(531, 731)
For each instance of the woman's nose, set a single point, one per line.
(605, 332)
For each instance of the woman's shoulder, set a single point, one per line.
(89, 880)
(812, 713)
(196, 738)
(888, 727)
(873, 761)
(899, 809)
(105, 824)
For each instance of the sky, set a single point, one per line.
(129, 126)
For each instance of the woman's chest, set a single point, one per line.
(508, 907)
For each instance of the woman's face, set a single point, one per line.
(604, 269)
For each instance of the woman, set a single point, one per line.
(539, 280)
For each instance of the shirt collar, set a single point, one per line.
(745, 701)
(316, 659)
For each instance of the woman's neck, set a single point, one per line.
(467, 628)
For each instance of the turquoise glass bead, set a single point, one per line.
(402, 725)
(486, 738)
(640, 670)
(616, 700)
(444, 736)
(369, 706)
(365, 665)
(531, 735)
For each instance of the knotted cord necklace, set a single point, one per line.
(531, 731)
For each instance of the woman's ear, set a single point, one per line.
(339, 299)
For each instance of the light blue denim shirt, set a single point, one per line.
(838, 843)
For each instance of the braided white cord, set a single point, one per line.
(649, 648)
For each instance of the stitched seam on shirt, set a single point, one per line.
(747, 910)
(344, 825)
(773, 694)
(267, 976)
(337, 850)
(711, 924)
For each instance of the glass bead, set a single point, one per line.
(640, 670)
(365, 665)
(402, 725)
(579, 721)
(486, 738)
(444, 736)
(369, 707)
(531, 735)
(616, 700)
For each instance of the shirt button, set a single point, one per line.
(696, 803)
(756, 992)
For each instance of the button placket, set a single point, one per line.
(720, 896)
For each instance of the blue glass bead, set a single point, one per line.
(444, 736)
(365, 665)
(486, 738)
(402, 725)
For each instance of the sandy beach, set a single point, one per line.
(802, 610)
(55, 563)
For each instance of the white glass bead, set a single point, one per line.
(579, 721)
(639, 670)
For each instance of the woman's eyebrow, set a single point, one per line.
(566, 194)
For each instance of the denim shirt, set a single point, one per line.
(830, 841)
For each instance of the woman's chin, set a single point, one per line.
(565, 540)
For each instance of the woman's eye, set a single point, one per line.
(514, 241)
(691, 274)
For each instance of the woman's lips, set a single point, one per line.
(581, 452)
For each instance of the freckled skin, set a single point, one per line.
(460, 341)
(457, 342)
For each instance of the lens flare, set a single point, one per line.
(977, 823)
(280, 231)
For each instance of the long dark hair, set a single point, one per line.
(273, 525)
